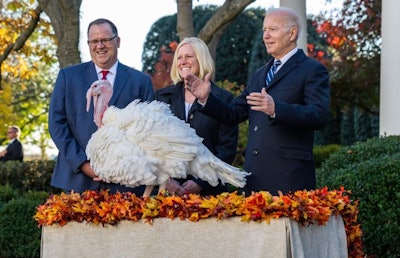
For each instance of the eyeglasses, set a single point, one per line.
(11, 132)
(106, 41)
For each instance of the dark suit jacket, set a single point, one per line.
(220, 139)
(71, 127)
(15, 151)
(279, 151)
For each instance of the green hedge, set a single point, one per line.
(29, 175)
(23, 186)
(371, 171)
(19, 233)
(321, 153)
(7, 193)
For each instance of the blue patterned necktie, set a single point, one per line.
(272, 71)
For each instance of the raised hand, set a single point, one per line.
(199, 88)
(262, 101)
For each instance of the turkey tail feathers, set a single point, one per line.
(210, 168)
(230, 174)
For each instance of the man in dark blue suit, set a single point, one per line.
(14, 150)
(71, 126)
(284, 108)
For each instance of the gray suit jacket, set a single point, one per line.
(71, 127)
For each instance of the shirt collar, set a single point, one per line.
(288, 55)
(113, 69)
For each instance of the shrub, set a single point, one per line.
(19, 234)
(23, 186)
(371, 171)
(30, 175)
(7, 193)
(37, 175)
(321, 153)
(362, 151)
(11, 173)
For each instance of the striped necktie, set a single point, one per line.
(272, 71)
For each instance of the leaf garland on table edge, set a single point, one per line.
(305, 207)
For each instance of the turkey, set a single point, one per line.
(101, 91)
(145, 144)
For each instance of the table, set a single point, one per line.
(209, 238)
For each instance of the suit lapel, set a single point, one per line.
(177, 97)
(174, 97)
(120, 81)
(287, 67)
(10, 145)
(90, 74)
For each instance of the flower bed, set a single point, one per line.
(306, 207)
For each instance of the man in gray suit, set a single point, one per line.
(71, 126)
(284, 107)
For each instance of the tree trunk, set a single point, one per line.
(184, 25)
(64, 17)
(214, 28)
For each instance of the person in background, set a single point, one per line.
(192, 56)
(71, 126)
(283, 110)
(14, 150)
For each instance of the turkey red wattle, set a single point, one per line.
(101, 91)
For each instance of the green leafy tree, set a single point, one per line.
(161, 34)
(234, 50)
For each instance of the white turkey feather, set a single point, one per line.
(114, 158)
(145, 144)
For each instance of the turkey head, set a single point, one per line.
(101, 91)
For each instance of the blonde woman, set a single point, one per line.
(192, 56)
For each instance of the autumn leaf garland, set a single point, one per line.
(306, 207)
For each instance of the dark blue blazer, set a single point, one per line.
(279, 150)
(71, 127)
(15, 151)
(220, 139)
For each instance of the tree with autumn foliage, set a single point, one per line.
(354, 40)
(333, 40)
(352, 54)
(161, 70)
(27, 68)
(45, 34)
(233, 54)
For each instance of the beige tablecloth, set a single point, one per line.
(205, 238)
